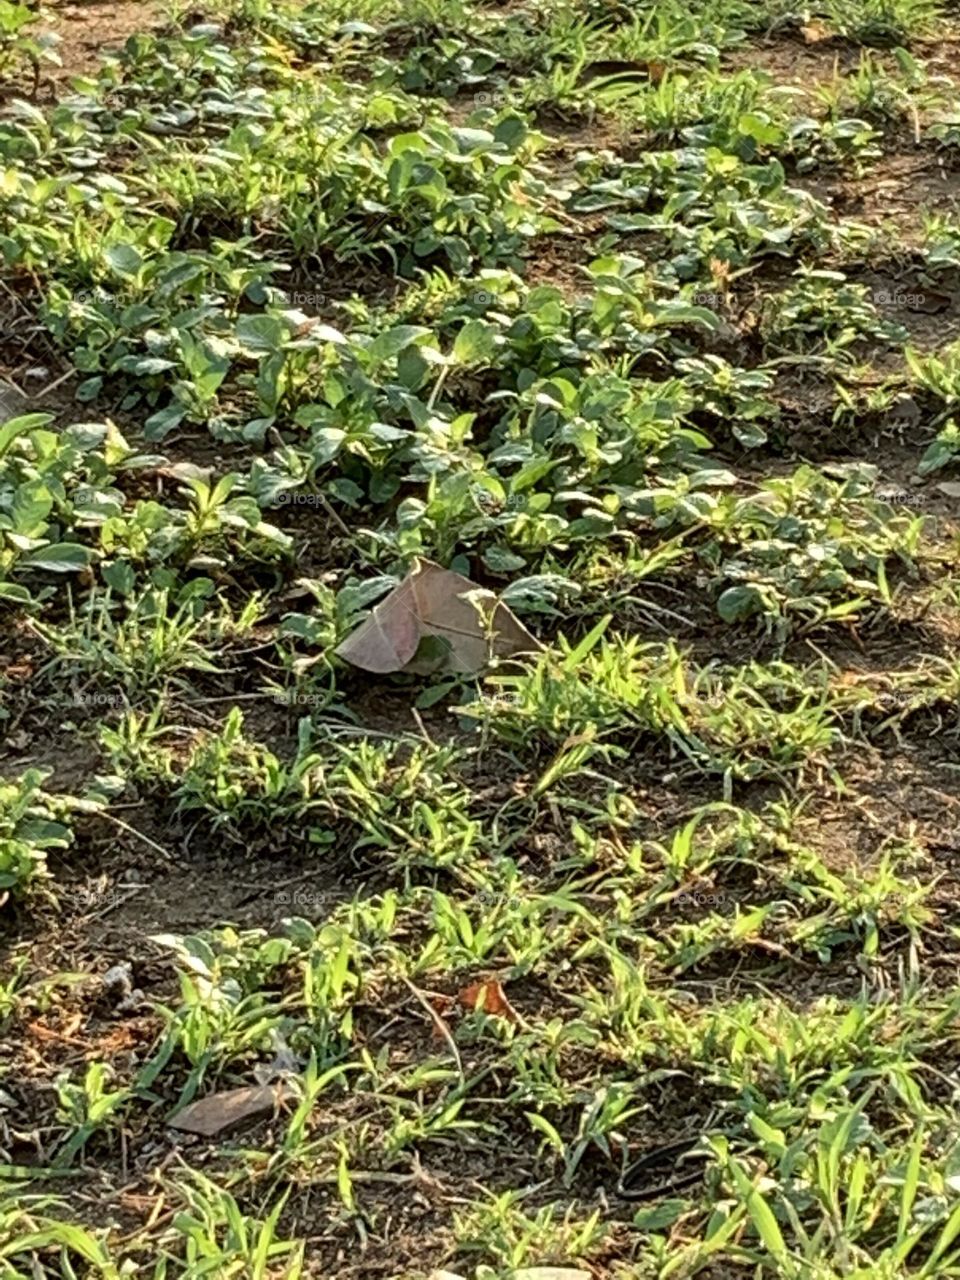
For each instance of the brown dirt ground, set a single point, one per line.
(909, 790)
(792, 62)
(891, 195)
(88, 28)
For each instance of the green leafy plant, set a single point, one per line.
(31, 824)
(20, 47)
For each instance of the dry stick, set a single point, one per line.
(9, 382)
(438, 386)
(125, 826)
(344, 529)
(670, 613)
(14, 298)
(441, 1026)
(119, 902)
(155, 1221)
(53, 385)
(235, 697)
(423, 729)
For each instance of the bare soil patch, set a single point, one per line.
(89, 28)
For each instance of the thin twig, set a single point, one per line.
(125, 826)
(440, 1025)
(53, 385)
(9, 382)
(344, 528)
(423, 728)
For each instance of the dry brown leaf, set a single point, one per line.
(435, 602)
(490, 998)
(388, 639)
(816, 32)
(218, 1112)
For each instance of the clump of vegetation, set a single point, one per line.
(29, 826)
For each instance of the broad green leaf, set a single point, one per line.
(119, 577)
(261, 334)
(164, 421)
(392, 341)
(124, 259)
(63, 557)
(659, 1216)
(475, 343)
(32, 503)
(18, 426)
(740, 602)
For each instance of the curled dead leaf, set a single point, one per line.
(219, 1112)
(488, 997)
(436, 620)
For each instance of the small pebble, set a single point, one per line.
(118, 980)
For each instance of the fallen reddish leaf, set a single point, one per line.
(218, 1112)
(467, 624)
(490, 998)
